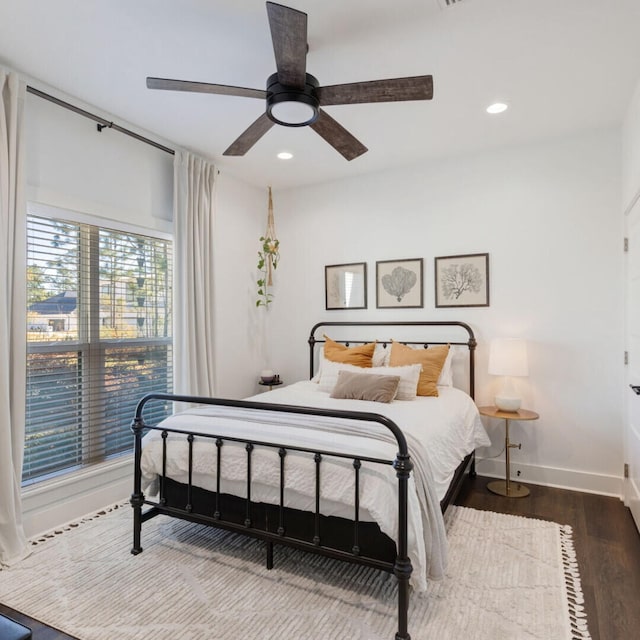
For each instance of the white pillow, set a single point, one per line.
(409, 376)
(380, 358)
(446, 373)
(381, 355)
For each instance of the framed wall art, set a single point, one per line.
(399, 284)
(345, 286)
(462, 281)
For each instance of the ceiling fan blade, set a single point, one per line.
(204, 87)
(250, 136)
(289, 36)
(393, 90)
(337, 136)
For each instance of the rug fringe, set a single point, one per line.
(74, 524)
(575, 599)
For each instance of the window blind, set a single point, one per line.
(98, 339)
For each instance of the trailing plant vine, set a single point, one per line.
(268, 258)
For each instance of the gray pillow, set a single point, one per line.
(365, 386)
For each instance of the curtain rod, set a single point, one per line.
(102, 123)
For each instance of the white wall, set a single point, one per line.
(241, 215)
(72, 166)
(549, 216)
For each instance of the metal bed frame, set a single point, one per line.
(355, 541)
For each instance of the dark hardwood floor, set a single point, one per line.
(606, 540)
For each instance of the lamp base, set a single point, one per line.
(507, 403)
(513, 490)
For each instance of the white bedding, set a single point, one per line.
(449, 426)
(440, 431)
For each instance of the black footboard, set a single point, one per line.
(335, 533)
(349, 540)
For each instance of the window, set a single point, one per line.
(98, 339)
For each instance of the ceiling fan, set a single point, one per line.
(294, 97)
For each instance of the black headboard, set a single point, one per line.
(422, 328)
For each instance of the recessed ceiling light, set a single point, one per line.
(285, 155)
(497, 107)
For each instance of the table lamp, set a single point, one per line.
(508, 358)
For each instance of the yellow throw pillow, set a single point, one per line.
(431, 359)
(359, 356)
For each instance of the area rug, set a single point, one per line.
(508, 577)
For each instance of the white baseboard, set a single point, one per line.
(553, 477)
(55, 502)
(632, 500)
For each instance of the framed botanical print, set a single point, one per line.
(399, 284)
(462, 281)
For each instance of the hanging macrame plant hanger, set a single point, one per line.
(270, 235)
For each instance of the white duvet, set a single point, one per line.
(440, 432)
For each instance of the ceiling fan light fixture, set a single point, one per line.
(292, 113)
(497, 107)
(292, 107)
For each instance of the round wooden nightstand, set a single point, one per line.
(506, 487)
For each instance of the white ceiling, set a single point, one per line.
(563, 66)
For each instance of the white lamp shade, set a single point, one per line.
(508, 357)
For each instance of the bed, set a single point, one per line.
(357, 480)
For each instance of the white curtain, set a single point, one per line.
(13, 544)
(193, 216)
